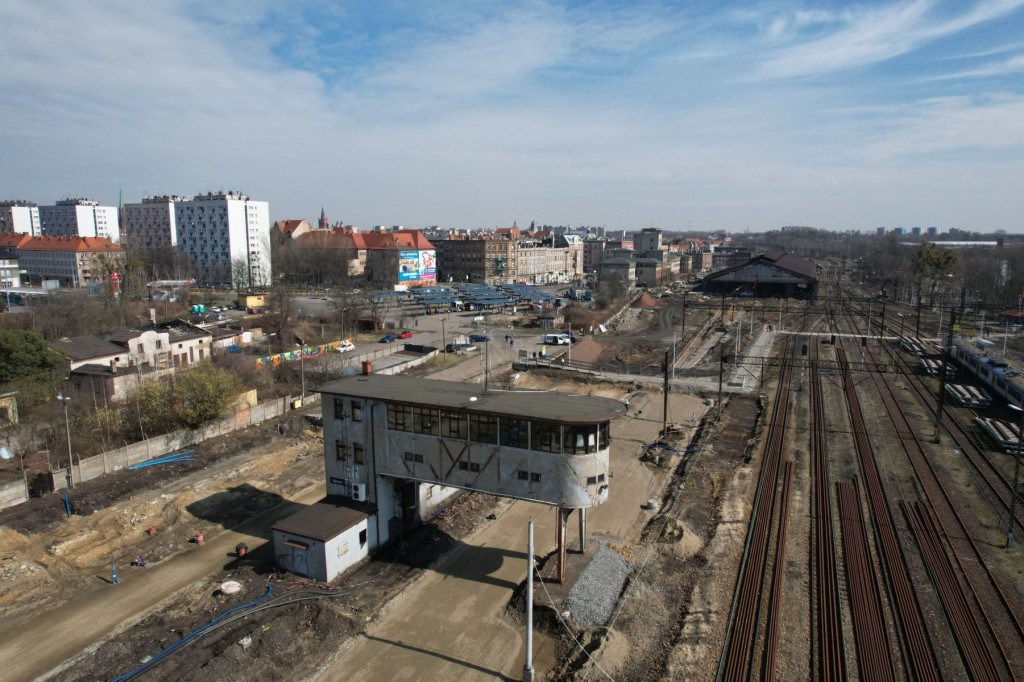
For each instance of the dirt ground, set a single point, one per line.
(47, 557)
(669, 624)
(304, 622)
(672, 617)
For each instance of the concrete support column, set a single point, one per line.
(560, 530)
(582, 512)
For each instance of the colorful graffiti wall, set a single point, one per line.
(307, 352)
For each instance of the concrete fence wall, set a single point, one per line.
(12, 493)
(158, 446)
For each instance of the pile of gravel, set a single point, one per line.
(592, 599)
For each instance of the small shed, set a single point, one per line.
(251, 299)
(323, 540)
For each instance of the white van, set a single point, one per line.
(556, 339)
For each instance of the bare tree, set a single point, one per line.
(241, 275)
(281, 317)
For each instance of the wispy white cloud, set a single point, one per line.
(606, 113)
(1012, 65)
(874, 34)
(921, 130)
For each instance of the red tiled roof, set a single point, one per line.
(412, 239)
(84, 244)
(342, 239)
(13, 239)
(333, 239)
(288, 226)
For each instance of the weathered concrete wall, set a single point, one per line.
(157, 446)
(12, 493)
(398, 369)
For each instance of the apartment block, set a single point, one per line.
(19, 217)
(80, 218)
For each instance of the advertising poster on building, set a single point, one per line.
(428, 265)
(408, 265)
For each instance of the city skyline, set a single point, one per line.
(739, 116)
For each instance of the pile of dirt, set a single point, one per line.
(645, 300)
(588, 350)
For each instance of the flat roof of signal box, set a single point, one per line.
(542, 405)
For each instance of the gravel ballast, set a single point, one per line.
(592, 599)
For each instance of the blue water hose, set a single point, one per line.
(182, 641)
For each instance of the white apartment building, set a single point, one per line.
(10, 275)
(21, 217)
(152, 225)
(225, 236)
(80, 218)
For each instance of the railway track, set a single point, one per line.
(997, 484)
(865, 598)
(737, 658)
(830, 654)
(920, 657)
(977, 609)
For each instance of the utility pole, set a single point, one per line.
(721, 372)
(67, 424)
(664, 408)
(1016, 474)
(444, 345)
(917, 327)
(528, 663)
(674, 354)
(487, 362)
(881, 325)
(302, 371)
(682, 324)
(942, 377)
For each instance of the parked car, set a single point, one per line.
(346, 346)
(388, 338)
(405, 335)
(459, 348)
(478, 338)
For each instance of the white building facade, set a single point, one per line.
(21, 217)
(225, 236)
(10, 275)
(152, 225)
(80, 218)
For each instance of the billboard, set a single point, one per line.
(416, 265)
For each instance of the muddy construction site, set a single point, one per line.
(681, 542)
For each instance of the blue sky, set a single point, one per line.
(713, 115)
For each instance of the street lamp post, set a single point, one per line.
(67, 425)
(444, 344)
(302, 371)
(1016, 473)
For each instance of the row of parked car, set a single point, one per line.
(388, 338)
